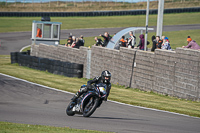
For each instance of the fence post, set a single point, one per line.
(198, 77)
(88, 63)
(133, 65)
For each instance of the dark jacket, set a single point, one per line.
(81, 42)
(154, 46)
(99, 42)
(106, 40)
(141, 43)
(97, 80)
(159, 44)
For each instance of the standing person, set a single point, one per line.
(77, 43)
(154, 46)
(132, 40)
(166, 44)
(158, 42)
(141, 43)
(69, 41)
(39, 32)
(98, 41)
(122, 42)
(191, 44)
(163, 38)
(104, 78)
(106, 38)
(81, 41)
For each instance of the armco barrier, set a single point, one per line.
(174, 73)
(44, 64)
(96, 13)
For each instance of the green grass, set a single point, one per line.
(118, 93)
(12, 24)
(176, 38)
(7, 127)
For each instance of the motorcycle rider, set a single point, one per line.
(104, 78)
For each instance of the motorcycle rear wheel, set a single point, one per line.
(69, 111)
(90, 105)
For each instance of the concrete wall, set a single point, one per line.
(174, 73)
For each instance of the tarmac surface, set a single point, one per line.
(14, 41)
(24, 102)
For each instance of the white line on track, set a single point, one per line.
(24, 48)
(108, 100)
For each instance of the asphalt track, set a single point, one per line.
(24, 102)
(14, 41)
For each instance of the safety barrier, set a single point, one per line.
(174, 73)
(44, 64)
(95, 13)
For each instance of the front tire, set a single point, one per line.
(69, 111)
(89, 106)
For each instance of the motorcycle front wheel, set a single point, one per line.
(69, 111)
(89, 106)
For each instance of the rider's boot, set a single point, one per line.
(76, 97)
(80, 92)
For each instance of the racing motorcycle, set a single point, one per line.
(87, 103)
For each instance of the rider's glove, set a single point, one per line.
(89, 87)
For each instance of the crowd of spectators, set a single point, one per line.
(158, 43)
(74, 42)
(130, 42)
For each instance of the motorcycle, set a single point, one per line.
(87, 103)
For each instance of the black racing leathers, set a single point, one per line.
(96, 80)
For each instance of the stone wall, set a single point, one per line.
(62, 53)
(174, 73)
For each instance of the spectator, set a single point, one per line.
(122, 42)
(163, 38)
(106, 38)
(191, 44)
(69, 41)
(81, 41)
(141, 43)
(76, 43)
(166, 44)
(154, 46)
(132, 40)
(73, 42)
(98, 41)
(158, 42)
(39, 32)
(126, 40)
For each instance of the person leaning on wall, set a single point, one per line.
(191, 44)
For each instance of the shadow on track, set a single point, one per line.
(116, 118)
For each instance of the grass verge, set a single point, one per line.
(118, 93)
(7, 127)
(13, 24)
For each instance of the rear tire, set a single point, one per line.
(69, 111)
(89, 108)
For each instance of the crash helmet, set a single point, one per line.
(106, 76)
